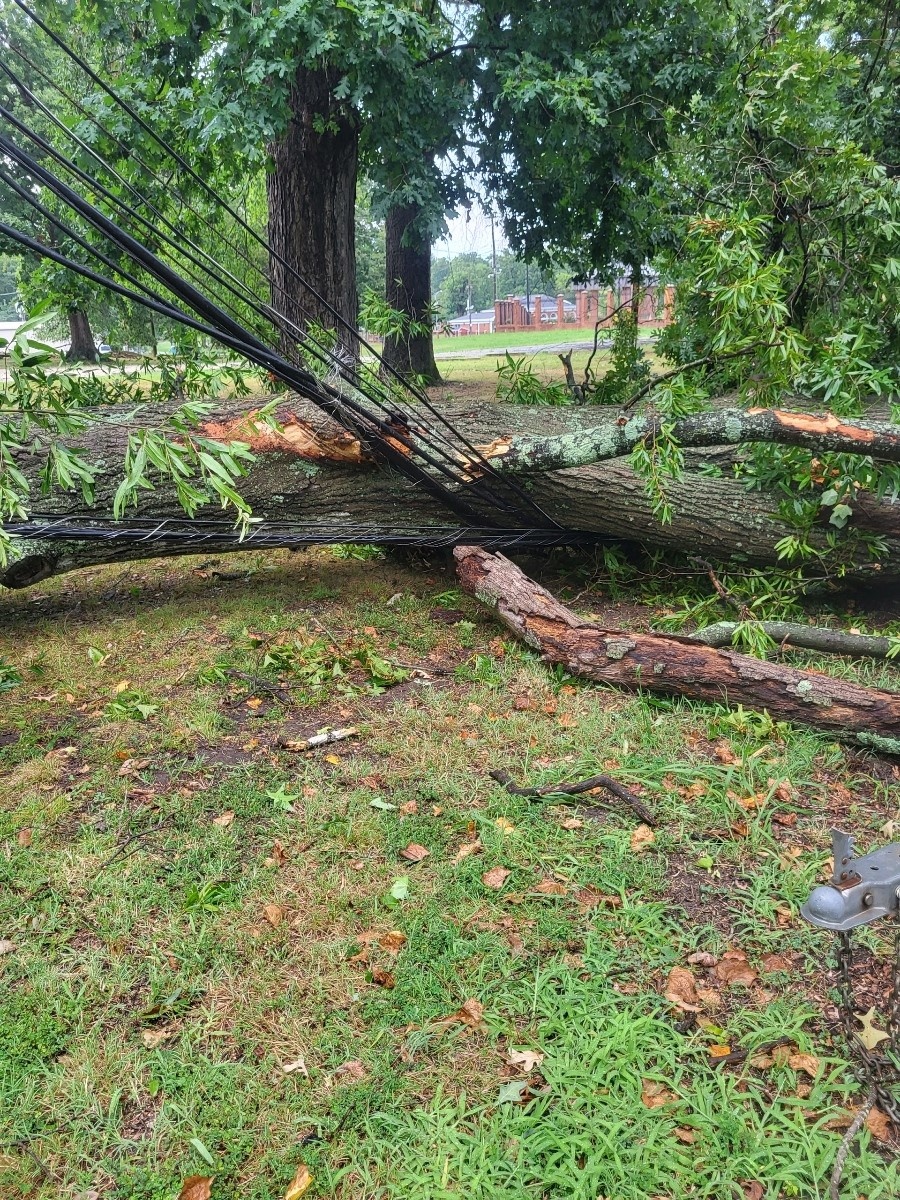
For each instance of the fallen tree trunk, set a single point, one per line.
(675, 666)
(315, 471)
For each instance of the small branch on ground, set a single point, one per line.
(722, 592)
(805, 637)
(595, 783)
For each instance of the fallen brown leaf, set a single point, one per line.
(291, 1068)
(300, 1184)
(274, 914)
(505, 826)
(525, 1060)
(515, 943)
(196, 1187)
(470, 1012)
(719, 1051)
(466, 850)
(685, 1135)
(642, 837)
(155, 1037)
(681, 990)
(724, 752)
(414, 852)
(25, 838)
(753, 1190)
(408, 808)
(353, 1069)
(702, 958)
(775, 962)
(733, 967)
(495, 877)
(572, 823)
(654, 1094)
(6, 946)
(591, 897)
(393, 941)
(383, 978)
(278, 857)
(880, 1126)
(224, 820)
(804, 1062)
(551, 887)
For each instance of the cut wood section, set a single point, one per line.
(674, 666)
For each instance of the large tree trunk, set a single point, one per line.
(675, 666)
(81, 339)
(312, 198)
(408, 290)
(315, 471)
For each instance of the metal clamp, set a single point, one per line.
(860, 890)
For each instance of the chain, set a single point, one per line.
(879, 1071)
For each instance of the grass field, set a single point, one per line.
(492, 341)
(228, 959)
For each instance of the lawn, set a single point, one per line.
(229, 959)
(536, 337)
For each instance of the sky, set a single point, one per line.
(470, 231)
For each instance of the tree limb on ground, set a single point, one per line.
(675, 666)
(805, 637)
(313, 470)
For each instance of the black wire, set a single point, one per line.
(523, 500)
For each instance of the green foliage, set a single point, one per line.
(628, 367)
(519, 384)
(10, 676)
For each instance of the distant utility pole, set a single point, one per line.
(493, 258)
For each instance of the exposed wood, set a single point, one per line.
(675, 666)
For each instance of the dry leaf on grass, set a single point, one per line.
(465, 850)
(804, 1062)
(408, 808)
(383, 978)
(685, 1135)
(278, 857)
(495, 877)
(591, 897)
(724, 752)
(470, 1012)
(733, 967)
(300, 1184)
(414, 852)
(642, 837)
(353, 1069)
(753, 1190)
(393, 941)
(291, 1068)
(681, 990)
(551, 887)
(880, 1125)
(525, 1060)
(196, 1187)
(515, 943)
(776, 962)
(155, 1037)
(25, 838)
(224, 820)
(702, 958)
(654, 1094)
(505, 826)
(572, 823)
(719, 1051)
(6, 946)
(274, 914)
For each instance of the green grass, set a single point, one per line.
(491, 341)
(182, 932)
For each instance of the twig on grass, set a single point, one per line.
(576, 789)
(834, 1188)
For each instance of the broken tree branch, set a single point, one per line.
(675, 666)
(606, 782)
(723, 427)
(806, 637)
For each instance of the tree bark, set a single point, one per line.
(81, 339)
(675, 666)
(312, 199)
(408, 290)
(315, 471)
